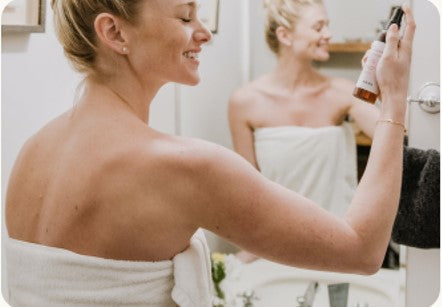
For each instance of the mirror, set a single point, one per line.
(353, 25)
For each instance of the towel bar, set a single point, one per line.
(428, 97)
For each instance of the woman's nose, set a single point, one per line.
(202, 35)
(327, 33)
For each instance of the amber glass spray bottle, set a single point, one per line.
(367, 87)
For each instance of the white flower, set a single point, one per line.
(233, 288)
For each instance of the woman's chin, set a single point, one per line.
(323, 57)
(190, 80)
(193, 82)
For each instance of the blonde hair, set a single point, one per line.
(283, 13)
(74, 25)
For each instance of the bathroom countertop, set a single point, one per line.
(281, 284)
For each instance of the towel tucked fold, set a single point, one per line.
(318, 163)
(192, 271)
(39, 275)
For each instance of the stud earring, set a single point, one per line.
(125, 50)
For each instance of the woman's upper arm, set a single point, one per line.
(365, 114)
(233, 200)
(240, 129)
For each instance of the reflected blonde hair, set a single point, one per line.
(283, 13)
(74, 25)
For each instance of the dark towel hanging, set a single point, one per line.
(418, 220)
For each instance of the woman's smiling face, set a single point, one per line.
(166, 41)
(311, 35)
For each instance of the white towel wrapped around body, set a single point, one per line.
(39, 275)
(318, 163)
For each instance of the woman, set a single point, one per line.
(108, 209)
(293, 118)
(290, 123)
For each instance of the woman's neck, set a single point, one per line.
(124, 92)
(294, 74)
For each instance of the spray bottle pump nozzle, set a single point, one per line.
(396, 17)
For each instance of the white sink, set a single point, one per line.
(280, 285)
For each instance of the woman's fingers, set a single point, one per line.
(392, 40)
(364, 59)
(410, 28)
(393, 69)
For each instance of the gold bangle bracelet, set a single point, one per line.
(390, 121)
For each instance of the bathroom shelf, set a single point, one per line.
(349, 47)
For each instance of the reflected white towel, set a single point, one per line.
(319, 163)
(39, 275)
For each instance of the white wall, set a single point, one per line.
(357, 19)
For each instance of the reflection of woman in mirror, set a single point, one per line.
(98, 184)
(290, 123)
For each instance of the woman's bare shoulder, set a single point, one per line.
(43, 142)
(201, 164)
(194, 169)
(342, 91)
(342, 84)
(249, 93)
(190, 154)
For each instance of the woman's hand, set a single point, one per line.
(393, 70)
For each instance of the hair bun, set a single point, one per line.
(74, 25)
(283, 13)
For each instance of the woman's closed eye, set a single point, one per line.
(186, 20)
(189, 13)
(320, 26)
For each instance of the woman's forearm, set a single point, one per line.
(374, 207)
(376, 200)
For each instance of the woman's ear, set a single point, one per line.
(284, 36)
(110, 32)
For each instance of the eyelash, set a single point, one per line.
(186, 20)
(319, 29)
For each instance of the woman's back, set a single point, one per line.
(86, 182)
